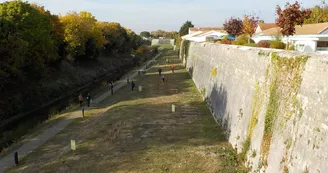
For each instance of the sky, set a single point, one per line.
(169, 15)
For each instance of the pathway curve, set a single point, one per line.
(27, 147)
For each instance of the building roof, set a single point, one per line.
(265, 26)
(206, 29)
(202, 33)
(308, 29)
(192, 35)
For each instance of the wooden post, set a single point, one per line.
(83, 112)
(16, 158)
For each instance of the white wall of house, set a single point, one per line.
(258, 29)
(302, 43)
(305, 46)
(202, 38)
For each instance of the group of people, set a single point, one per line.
(162, 76)
(81, 99)
(111, 84)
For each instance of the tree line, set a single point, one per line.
(33, 39)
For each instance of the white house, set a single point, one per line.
(200, 34)
(307, 38)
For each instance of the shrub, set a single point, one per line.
(242, 40)
(225, 38)
(142, 51)
(291, 47)
(263, 43)
(251, 45)
(226, 42)
(277, 45)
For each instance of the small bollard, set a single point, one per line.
(140, 88)
(173, 108)
(83, 112)
(16, 158)
(73, 145)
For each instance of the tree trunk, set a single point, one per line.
(287, 45)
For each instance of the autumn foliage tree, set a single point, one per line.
(233, 26)
(319, 14)
(82, 34)
(249, 25)
(289, 17)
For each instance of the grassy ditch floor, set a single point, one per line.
(137, 132)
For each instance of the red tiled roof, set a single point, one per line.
(265, 26)
(307, 29)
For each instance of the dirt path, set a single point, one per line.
(137, 132)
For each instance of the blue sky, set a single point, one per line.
(140, 15)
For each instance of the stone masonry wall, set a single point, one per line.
(273, 104)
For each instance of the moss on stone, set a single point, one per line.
(213, 72)
(284, 76)
(256, 108)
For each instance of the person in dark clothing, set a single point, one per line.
(133, 85)
(80, 99)
(163, 78)
(89, 99)
(112, 87)
(160, 71)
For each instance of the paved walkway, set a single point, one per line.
(34, 143)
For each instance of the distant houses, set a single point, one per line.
(308, 37)
(202, 34)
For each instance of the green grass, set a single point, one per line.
(136, 132)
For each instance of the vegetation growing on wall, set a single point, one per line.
(213, 72)
(185, 49)
(285, 77)
(256, 108)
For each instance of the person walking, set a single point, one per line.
(112, 87)
(133, 85)
(172, 68)
(89, 99)
(80, 99)
(163, 78)
(160, 71)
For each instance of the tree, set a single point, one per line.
(115, 36)
(289, 17)
(319, 14)
(249, 25)
(184, 30)
(145, 34)
(234, 26)
(82, 34)
(28, 39)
